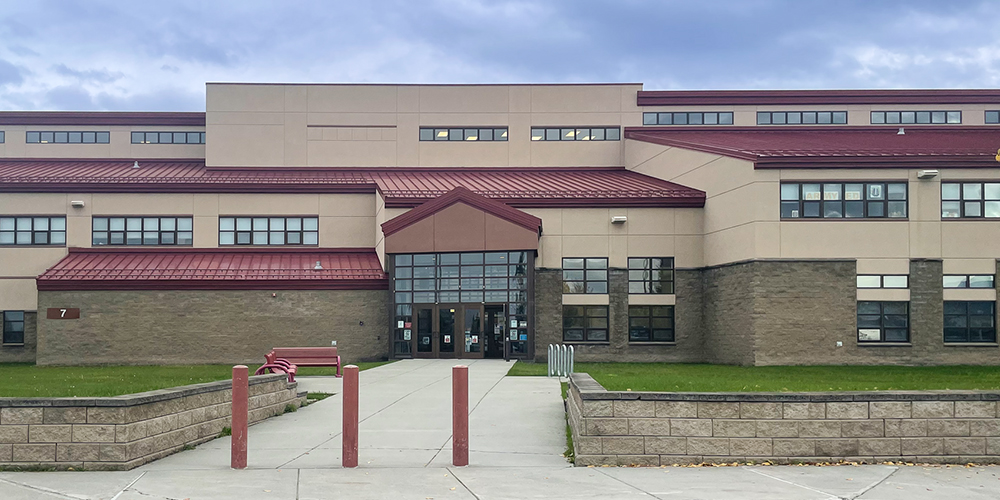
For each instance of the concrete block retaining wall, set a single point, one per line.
(651, 429)
(124, 432)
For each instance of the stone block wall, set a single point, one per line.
(652, 429)
(124, 432)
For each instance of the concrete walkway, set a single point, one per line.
(517, 437)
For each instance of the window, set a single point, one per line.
(31, 230)
(843, 200)
(463, 134)
(650, 275)
(688, 118)
(2, 138)
(993, 117)
(168, 138)
(650, 323)
(68, 137)
(577, 134)
(883, 322)
(492, 277)
(268, 230)
(585, 323)
(801, 117)
(142, 231)
(13, 327)
(973, 200)
(970, 321)
(915, 117)
(968, 281)
(883, 281)
(585, 275)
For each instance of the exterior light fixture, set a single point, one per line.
(136, 164)
(927, 174)
(901, 131)
(318, 266)
(76, 203)
(619, 219)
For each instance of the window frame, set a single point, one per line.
(53, 135)
(544, 136)
(968, 317)
(659, 118)
(649, 281)
(881, 282)
(899, 115)
(236, 231)
(586, 269)
(461, 134)
(187, 136)
(991, 117)
(968, 282)
(586, 330)
(160, 232)
(816, 116)
(651, 316)
(3, 136)
(882, 322)
(11, 322)
(866, 202)
(962, 202)
(33, 232)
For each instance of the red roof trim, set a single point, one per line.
(87, 118)
(814, 97)
(462, 195)
(354, 284)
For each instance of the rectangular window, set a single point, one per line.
(838, 200)
(38, 137)
(13, 327)
(992, 117)
(970, 200)
(142, 231)
(883, 322)
(576, 134)
(585, 323)
(168, 138)
(585, 275)
(689, 118)
(801, 117)
(968, 281)
(650, 323)
(651, 275)
(2, 138)
(263, 230)
(883, 281)
(916, 117)
(463, 134)
(973, 321)
(32, 230)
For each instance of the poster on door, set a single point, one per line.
(447, 339)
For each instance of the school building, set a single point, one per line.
(467, 221)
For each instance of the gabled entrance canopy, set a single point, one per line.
(461, 221)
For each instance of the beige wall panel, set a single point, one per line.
(636, 153)
(830, 240)
(972, 239)
(392, 213)
(380, 251)
(651, 221)
(407, 99)
(296, 98)
(858, 115)
(970, 266)
(767, 200)
(359, 134)
(30, 261)
(689, 220)
(948, 175)
(140, 151)
(352, 119)
(464, 99)
(651, 246)
(586, 221)
(767, 240)
(120, 145)
(206, 231)
(317, 133)
(730, 245)
(586, 299)
(689, 252)
(925, 239)
(347, 205)
(67, 150)
(519, 99)
(576, 99)
(346, 232)
(551, 219)
(709, 173)
(464, 120)
(295, 139)
(844, 174)
(271, 204)
(925, 200)
(244, 118)
(231, 97)
(519, 140)
(549, 252)
(891, 294)
(352, 153)
(883, 266)
(387, 134)
(37, 203)
(245, 145)
(206, 204)
(586, 246)
(142, 204)
(744, 118)
(652, 299)
(576, 119)
(408, 140)
(731, 208)
(18, 295)
(618, 251)
(374, 134)
(352, 98)
(458, 154)
(629, 101)
(970, 294)
(576, 154)
(78, 231)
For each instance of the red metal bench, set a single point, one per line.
(288, 359)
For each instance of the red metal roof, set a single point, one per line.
(400, 186)
(815, 97)
(461, 194)
(825, 146)
(215, 268)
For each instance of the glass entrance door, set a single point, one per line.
(494, 332)
(425, 332)
(447, 314)
(474, 339)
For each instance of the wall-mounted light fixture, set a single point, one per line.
(76, 203)
(619, 219)
(927, 174)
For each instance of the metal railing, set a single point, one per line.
(560, 360)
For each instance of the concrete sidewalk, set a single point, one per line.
(517, 438)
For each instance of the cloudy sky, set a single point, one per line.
(114, 55)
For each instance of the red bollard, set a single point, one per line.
(350, 434)
(460, 415)
(241, 406)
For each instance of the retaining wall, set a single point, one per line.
(651, 429)
(123, 432)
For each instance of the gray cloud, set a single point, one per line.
(9, 74)
(90, 75)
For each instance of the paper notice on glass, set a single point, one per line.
(447, 339)
(406, 335)
(399, 324)
(523, 324)
(869, 334)
(513, 323)
(475, 339)
(513, 334)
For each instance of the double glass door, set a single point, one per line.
(448, 331)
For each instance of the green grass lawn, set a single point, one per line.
(27, 380)
(724, 378)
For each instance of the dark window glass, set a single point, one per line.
(688, 118)
(883, 322)
(919, 117)
(585, 323)
(972, 321)
(839, 200)
(993, 117)
(13, 327)
(651, 323)
(970, 200)
(142, 231)
(32, 230)
(268, 230)
(588, 275)
(650, 275)
(67, 137)
(463, 134)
